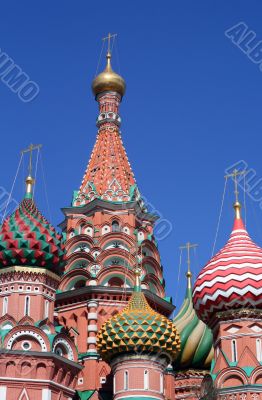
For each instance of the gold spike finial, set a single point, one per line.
(237, 205)
(188, 246)
(30, 180)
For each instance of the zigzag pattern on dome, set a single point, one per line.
(231, 280)
(27, 238)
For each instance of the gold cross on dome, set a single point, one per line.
(108, 38)
(234, 176)
(30, 150)
(188, 246)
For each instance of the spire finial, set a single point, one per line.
(188, 246)
(108, 80)
(30, 180)
(109, 49)
(237, 205)
(108, 38)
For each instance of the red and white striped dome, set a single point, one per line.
(232, 278)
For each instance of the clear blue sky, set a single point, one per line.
(192, 106)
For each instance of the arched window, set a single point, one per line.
(116, 282)
(115, 226)
(126, 380)
(79, 284)
(259, 350)
(161, 383)
(146, 380)
(234, 350)
(46, 308)
(27, 305)
(5, 305)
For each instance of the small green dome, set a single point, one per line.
(27, 238)
(138, 328)
(196, 338)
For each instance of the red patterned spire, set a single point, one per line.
(232, 278)
(108, 175)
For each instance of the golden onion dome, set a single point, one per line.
(108, 80)
(138, 328)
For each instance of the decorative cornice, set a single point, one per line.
(101, 205)
(40, 354)
(31, 270)
(86, 293)
(190, 373)
(234, 315)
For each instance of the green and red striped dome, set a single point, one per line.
(27, 238)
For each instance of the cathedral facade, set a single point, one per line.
(85, 314)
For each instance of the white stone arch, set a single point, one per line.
(29, 333)
(65, 344)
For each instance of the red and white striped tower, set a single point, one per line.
(227, 296)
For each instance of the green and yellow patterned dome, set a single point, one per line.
(138, 328)
(196, 338)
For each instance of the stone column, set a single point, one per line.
(92, 326)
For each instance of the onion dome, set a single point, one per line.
(232, 278)
(196, 338)
(138, 328)
(108, 80)
(27, 238)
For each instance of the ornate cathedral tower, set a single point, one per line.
(227, 296)
(108, 231)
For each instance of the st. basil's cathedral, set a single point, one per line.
(85, 314)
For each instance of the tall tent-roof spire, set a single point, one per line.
(109, 175)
